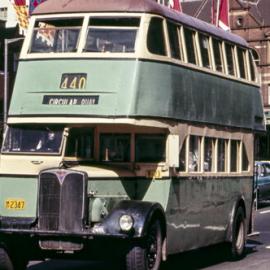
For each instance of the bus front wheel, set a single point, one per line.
(5, 261)
(237, 246)
(16, 262)
(147, 255)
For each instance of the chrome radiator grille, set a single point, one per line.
(62, 195)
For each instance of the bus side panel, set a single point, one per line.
(200, 210)
(179, 92)
(158, 191)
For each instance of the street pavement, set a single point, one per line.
(210, 258)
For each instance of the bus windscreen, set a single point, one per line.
(33, 140)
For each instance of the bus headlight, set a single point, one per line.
(126, 223)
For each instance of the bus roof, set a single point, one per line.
(128, 6)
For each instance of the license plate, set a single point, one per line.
(15, 204)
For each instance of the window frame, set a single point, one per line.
(200, 34)
(221, 53)
(103, 134)
(245, 67)
(252, 74)
(179, 39)
(194, 37)
(233, 54)
(162, 136)
(112, 27)
(165, 37)
(82, 39)
(227, 159)
(213, 142)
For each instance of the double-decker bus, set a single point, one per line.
(130, 133)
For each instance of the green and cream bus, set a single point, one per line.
(130, 133)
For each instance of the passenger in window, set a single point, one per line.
(49, 144)
(107, 47)
(193, 159)
(115, 147)
(207, 166)
(80, 143)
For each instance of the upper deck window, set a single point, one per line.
(115, 35)
(56, 35)
(241, 53)
(175, 45)
(205, 50)
(230, 56)
(190, 42)
(155, 37)
(218, 56)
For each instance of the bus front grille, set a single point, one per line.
(62, 195)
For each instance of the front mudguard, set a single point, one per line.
(142, 213)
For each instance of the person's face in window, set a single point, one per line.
(51, 136)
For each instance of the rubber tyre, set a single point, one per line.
(20, 264)
(147, 256)
(5, 261)
(237, 246)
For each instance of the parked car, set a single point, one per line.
(262, 180)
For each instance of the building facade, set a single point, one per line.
(8, 30)
(249, 19)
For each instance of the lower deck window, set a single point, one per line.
(80, 143)
(194, 154)
(234, 146)
(221, 158)
(150, 148)
(206, 154)
(209, 148)
(115, 147)
(245, 162)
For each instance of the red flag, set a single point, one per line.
(19, 2)
(176, 5)
(223, 19)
